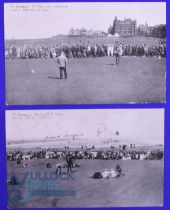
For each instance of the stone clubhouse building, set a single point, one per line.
(125, 28)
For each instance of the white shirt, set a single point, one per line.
(106, 174)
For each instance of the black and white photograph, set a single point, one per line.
(85, 158)
(85, 53)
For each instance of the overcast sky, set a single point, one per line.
(137, 124)
(43, 20)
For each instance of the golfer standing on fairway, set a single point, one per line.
(117, 53)
(62, 63)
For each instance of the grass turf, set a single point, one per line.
(90, 81)
(141, 184)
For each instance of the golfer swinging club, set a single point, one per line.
(62, 63)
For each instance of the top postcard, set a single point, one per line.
(85, 53)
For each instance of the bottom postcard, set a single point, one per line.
(85, 158)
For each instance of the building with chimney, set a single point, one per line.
(125, 28)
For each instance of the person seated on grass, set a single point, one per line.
(113, 173)
(18, 161)
(12, 180)
(24, 165)
(76, 164)
(97, 175)
(58, 168)
(106, 174)
(48, 165)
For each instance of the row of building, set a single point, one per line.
(123, 28)
(83, 32)
(153, 31)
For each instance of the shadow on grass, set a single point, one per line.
(110, 64)
(69, 172)
(53, 77)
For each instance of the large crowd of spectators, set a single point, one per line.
(109, 154)
(81, 50)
